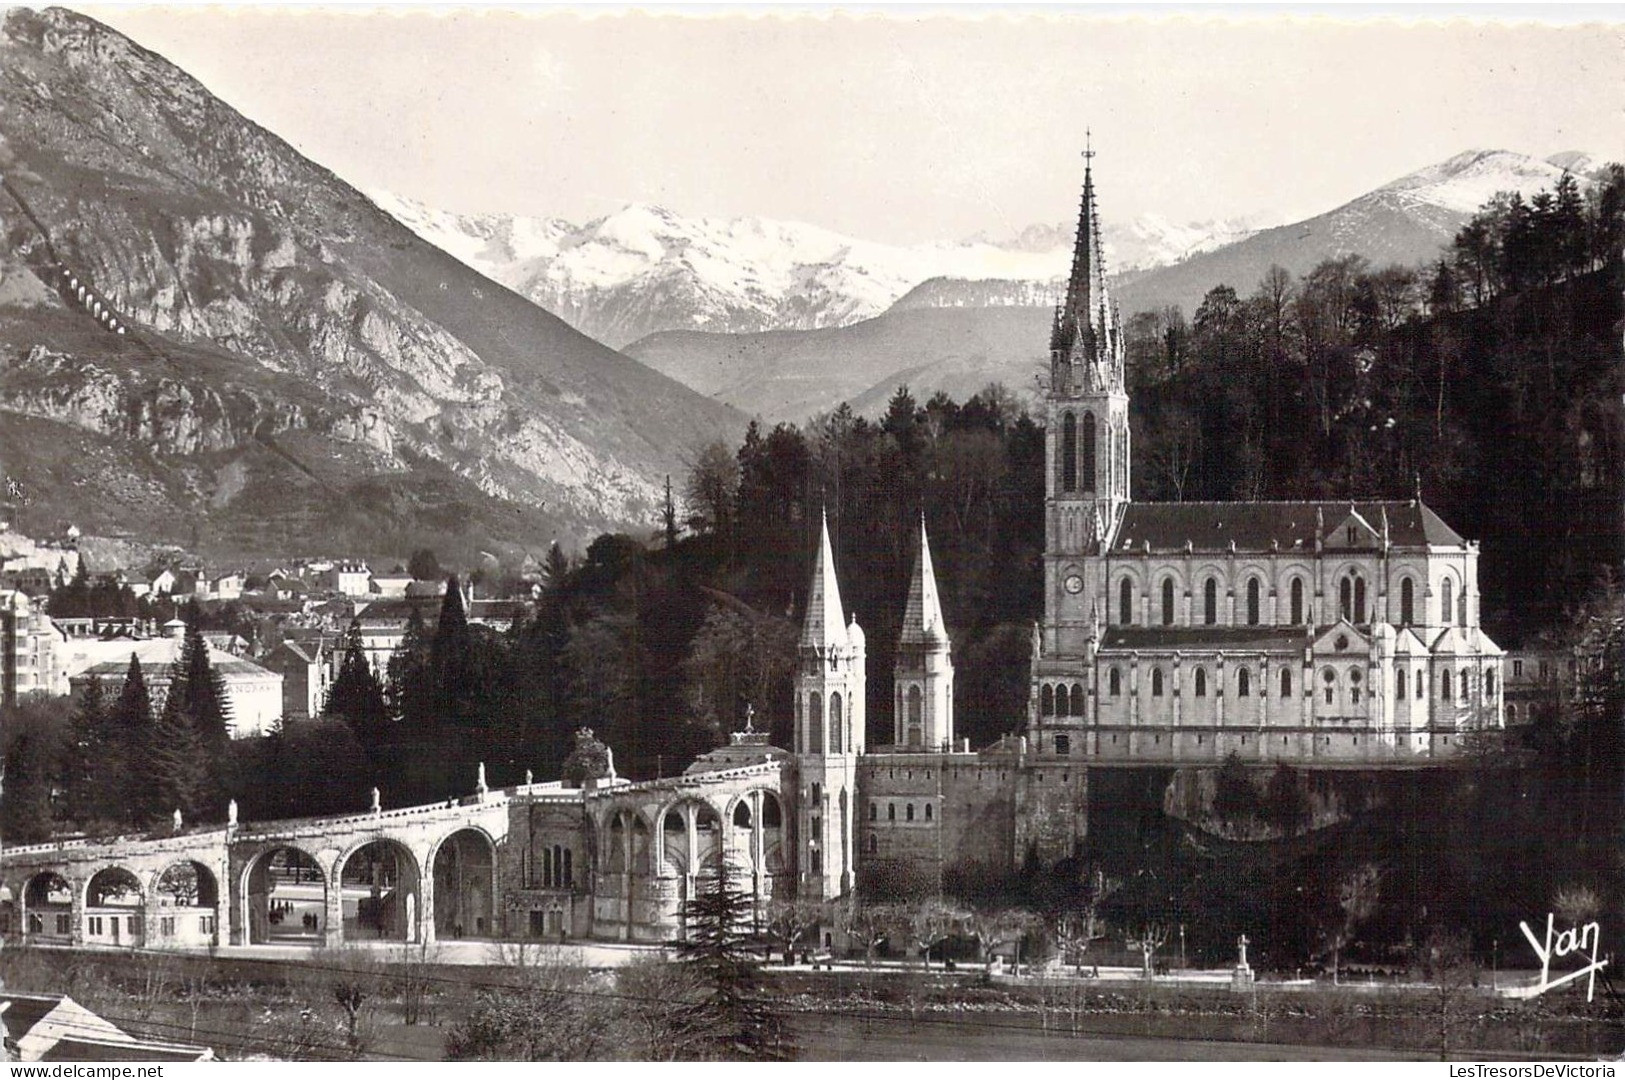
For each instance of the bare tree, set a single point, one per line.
(869, 924)
(931, 922)
(790, 920)
(1080, 925)
(1147, 940)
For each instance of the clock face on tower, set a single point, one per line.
(1074, 584)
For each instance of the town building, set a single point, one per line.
(33, 650)
(253, 692)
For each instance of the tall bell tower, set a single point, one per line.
(829, 689)
(1086, 439)
(923, 674)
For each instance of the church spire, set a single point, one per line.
(825, 625)
(1084, 339)
(922, 618)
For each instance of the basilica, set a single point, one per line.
(1321, 635)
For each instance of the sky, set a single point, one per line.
(902, 126)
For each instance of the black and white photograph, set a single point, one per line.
(906, 534)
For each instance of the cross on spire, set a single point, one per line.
(1088, 147)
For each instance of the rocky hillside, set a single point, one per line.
(228, 321)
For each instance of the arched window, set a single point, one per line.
(1419, 681)
(891, 811)
(1087, 468)
(547, 868)
(874, 844)
(1115, 681)
(1201, 682)
(1156, 682)
(1407, 602)
(1489, 685)
(1345, 599)
(1297, 601)
(1444, 687)
(928, 811)
(1046, 700)
(1399, 683)
(1167, 601)
(911, 811)
(815, 723)
(1125, 602)
(569, 870)
(1210, 602)
(1447, 602)
(1286, 682)
(1069, 453)
(835, 740)
(1466, 688)
(1330, 678)
(1063, 703)
(1252, 602)
(874, 811)
(1077, 700)
(916, 715)
(1354, 686)
(1244, 683)
(1359, 599)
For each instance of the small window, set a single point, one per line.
(1286, 682)
(1517, 669)
(1156, 682)
(1244, 683)
(1399, 682)
(1125, 602)
(1115, 681)
(874, 812)
(1167, 601)
(911, 811)
(1350, 533)
(874, 843)
(928, 811)
(1252, 602)
(1419, 681)
(1210, 602)
(891, 811)
(1201, 682)
(1063, 745)
(1444, 687)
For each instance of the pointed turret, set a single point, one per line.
(825, 625)
(922, 618)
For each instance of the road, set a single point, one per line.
(902, 1038)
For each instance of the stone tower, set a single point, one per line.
(924, 673)
(829, 735)
(1086, 438)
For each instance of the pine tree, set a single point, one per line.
(668, 513)
(203, 692)
(732, 1019)
(130, 729)
(451, 657)
(356, 696)
(94, 772)
(178, 774)
(408, 672)
(556, 568)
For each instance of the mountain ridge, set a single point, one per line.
(212, 237)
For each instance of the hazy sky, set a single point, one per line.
(903, 126)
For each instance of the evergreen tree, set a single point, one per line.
(130, 730)
(30, 757)
(731, 1018)
(556, 568)
(94, 771)
(203, 692)
(408, 672)
(452, 658)
(356, 696)
(668, 513)
(178, 775)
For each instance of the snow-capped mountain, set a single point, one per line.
(645, 269)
